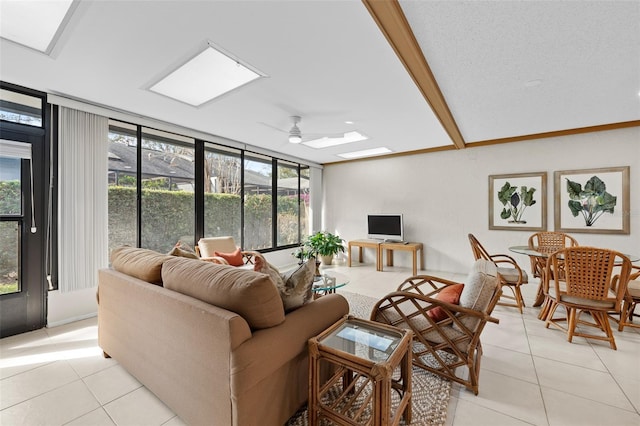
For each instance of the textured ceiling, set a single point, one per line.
(505, 69)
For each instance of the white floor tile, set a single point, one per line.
(471, 414)
(139, 407)
(512, 397)
(583, 382)
(568, 410)
(553, 345)
(32, 383)
(509, 363)
(111, 384)
(97, 417)
(56, 407)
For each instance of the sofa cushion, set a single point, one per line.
(234, 258)
(140, 263)
(479, 288)
(247, 293)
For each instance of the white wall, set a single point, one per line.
(444, 195)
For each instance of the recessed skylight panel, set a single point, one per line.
(208, 75)
(34, 24)
(328, 141)
(365, 153)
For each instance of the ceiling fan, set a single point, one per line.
(317, 140)
(295, 135)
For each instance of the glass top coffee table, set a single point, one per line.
(327, 284)
(363, 356)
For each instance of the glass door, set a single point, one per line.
(22, 283)
(24, 177)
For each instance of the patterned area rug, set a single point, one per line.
(430, 393)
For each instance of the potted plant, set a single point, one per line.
(324, 245)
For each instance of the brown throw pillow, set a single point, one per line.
(449, 294)
(234, 259)
(183, 250)
(294, 286)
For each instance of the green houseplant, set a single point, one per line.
(323, 245)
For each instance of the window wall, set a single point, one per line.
(258, 198)
(222, 192)
(191, 188)
(167, 206)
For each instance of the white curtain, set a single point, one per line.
(83, 204)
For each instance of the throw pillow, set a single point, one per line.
(234, 259)
(449, 294)
(183, 250)
(294, 286)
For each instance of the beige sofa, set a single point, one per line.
(211, 341)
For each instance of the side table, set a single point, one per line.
(374, 244)
(364, 355)
(414, 248)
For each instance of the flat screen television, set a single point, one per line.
(387, 227)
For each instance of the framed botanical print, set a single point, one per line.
(592, 200)
(518, 201)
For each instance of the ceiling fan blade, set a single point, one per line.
(273, 127)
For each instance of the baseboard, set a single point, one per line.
(70, 320)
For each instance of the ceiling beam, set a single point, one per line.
(394, 25)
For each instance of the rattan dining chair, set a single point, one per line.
(587, 285)
(511, 275)
(547, 242)
(445, 335)
(631, 299)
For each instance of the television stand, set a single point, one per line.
(414, 248)
(374, 244)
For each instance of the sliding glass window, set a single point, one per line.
(222, 192)
(123, 165)
(168, 185)
(258, 209)
(288, 204)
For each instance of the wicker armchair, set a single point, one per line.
(442, 345)
(207, 247)
(587, 284)
(547, 242)
(631, 299)
(511, 275)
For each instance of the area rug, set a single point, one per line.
(430, 393)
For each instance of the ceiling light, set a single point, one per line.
(295, 135)
(211, 73)
(295, 138)
(365, 153)
(348, 122)
(35, 24)
(329, 141)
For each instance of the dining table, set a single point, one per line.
(533, 252)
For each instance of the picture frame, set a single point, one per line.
(522, 217)
(607, 187)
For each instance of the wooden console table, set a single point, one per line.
(374, 244)
(391, 247)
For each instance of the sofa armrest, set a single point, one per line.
(270, 348)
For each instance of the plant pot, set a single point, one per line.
(326, 260)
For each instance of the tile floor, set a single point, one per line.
(529, 375)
